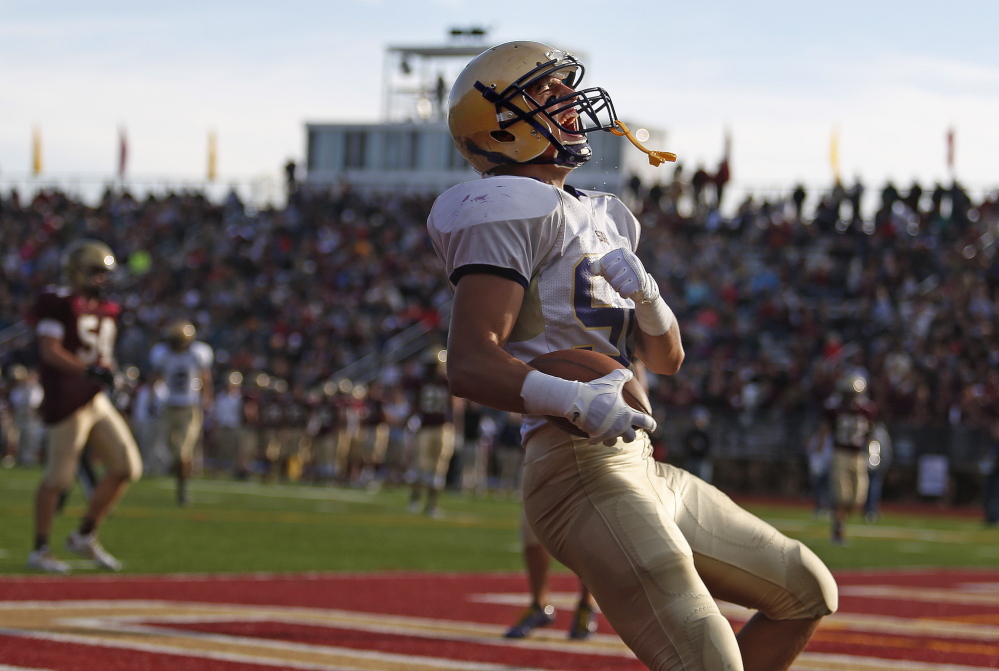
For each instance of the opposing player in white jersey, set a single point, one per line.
(185, 366)
(539, 266)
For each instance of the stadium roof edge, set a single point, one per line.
(438, 52)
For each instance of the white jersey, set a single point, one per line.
(546, 239)
(181, 371)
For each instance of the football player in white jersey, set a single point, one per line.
(539, 266)
(185, 366)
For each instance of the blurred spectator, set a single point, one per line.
(697, 445)
(27, 432)
(879, 457)
(397, 412)
(990, 467)
(235, 443)
(375, 437)
(144, 421)
(819, 462)
(509, 454)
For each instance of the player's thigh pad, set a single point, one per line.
(603, 512)
(447, 449)
(111, 438)
(378, 438)
(849, 477)
(190, 419)
(66, 440)
(744, 560)
(527, 536)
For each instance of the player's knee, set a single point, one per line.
(129, 470)
(135, 472)
(816, 590)
(57, 481)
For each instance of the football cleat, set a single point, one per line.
(89, 547)
(535, 616)
(584, 623)
(434, 512)
(43, 560)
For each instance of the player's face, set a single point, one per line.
(552, 88)
(99, 282)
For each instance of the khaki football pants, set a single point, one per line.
(99, 423)
(182, 427)
(434, 449)
(848, 475)
(656, 545)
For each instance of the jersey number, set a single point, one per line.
(434, 399)
(594, 316)
(179, 381)
(97, 336)
(852, 429)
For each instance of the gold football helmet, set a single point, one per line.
(494, 121)
(180, 334)
(87, 264)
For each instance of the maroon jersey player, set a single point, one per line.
(76, 328)
(435, 438)
(850, 416)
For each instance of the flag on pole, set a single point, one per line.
(724, 168)
(36, 152)
(212, 157)
(122, 152)
(950, 150)
(834, 154)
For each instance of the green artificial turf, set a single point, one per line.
(250, 526)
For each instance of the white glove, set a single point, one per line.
(625, 272)
(596, 407)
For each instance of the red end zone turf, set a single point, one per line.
(890, 620)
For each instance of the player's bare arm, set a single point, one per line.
(657, 340)
(207, 389)
(661, 354)
(484, 311)
(52, 353)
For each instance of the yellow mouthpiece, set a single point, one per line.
(655, 157)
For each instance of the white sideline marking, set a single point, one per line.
(978, 597)
(818, 661)
(144, 625)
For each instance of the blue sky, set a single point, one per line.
(890, 76)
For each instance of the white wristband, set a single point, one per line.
(545, 394)
(655, 318)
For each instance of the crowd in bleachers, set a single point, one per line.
(773, 301)
(777, 300)
(297, 292)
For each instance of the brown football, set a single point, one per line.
(585, 365)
